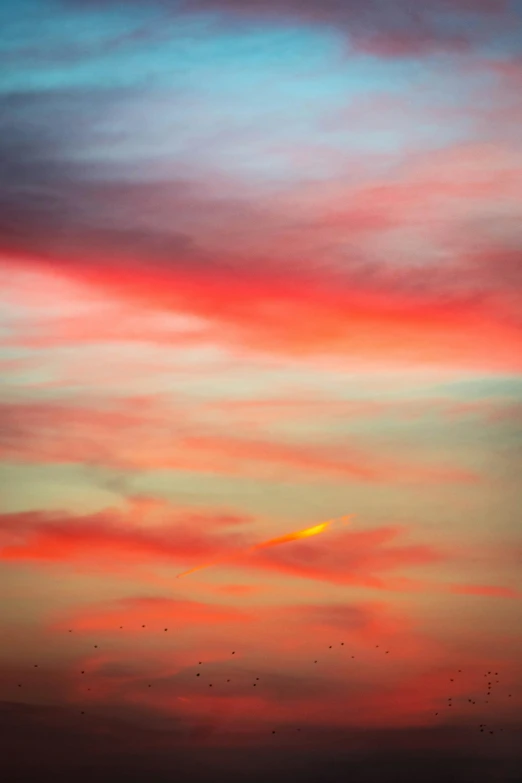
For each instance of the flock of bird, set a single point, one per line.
(482, 726)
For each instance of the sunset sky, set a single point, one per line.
(260, 270)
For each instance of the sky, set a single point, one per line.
(261, 389)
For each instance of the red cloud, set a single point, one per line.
(358, 558)
(108, 539)
(99, 541)
(305, 317)
(102, 537)
(376, 302)
(105, 537)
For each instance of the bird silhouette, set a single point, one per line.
(471, 701)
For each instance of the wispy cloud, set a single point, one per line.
(368, 558)
(140, 435)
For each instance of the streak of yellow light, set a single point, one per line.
(295, 536)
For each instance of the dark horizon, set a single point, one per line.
(56, 742)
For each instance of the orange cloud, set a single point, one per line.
(239, 589)
(493, 591)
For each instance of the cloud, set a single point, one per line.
(485, 590)
(383, 28)
(263, 411)
(233, 455)
(239, 589)
(360, 299)
(69, 53)
(133, 612)
(135, 434)
(100, 538)
(154, 533)
(99, 542)
(358, 557)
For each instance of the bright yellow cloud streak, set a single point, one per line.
(298, 534)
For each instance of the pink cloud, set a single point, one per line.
(385, 29)
(134, 434)
(418, 281)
